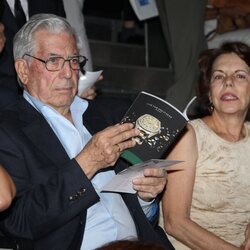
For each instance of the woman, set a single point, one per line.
(7, 189)
(206, 205)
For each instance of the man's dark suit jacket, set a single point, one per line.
(53, 193)
(7, 97)
(8, 76)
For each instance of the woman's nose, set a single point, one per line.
(229, 81)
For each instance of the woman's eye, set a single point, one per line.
(218, 77)
(240, 76)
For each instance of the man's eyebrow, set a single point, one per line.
(54, 54)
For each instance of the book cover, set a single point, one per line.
(160, 124)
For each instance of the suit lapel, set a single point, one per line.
(36, 128)
(93, 119)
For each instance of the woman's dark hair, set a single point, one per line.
(131, 245)
(205, 63)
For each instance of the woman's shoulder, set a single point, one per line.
(197, 124)
(200, 128)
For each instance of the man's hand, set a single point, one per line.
(105, 147)
(152, 184)
(89, 93)
(2, 37)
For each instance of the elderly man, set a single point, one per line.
(60, 149)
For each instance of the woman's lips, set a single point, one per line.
(229, 97)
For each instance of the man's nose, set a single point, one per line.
(66, 69)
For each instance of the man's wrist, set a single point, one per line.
(150, 208)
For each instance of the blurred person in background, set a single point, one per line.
(15, 14)
(183, 29)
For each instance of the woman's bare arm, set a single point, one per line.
(178, 197)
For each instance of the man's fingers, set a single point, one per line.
(155, 172)
(105, 147)
(152, 184)
(120, 133)
(148, 183)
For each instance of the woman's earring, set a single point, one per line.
(211, 107)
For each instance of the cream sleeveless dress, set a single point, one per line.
(221, 196)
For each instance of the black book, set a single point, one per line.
(160, 124)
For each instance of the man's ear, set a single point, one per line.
(22, 69)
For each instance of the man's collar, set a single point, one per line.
(78, 105)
